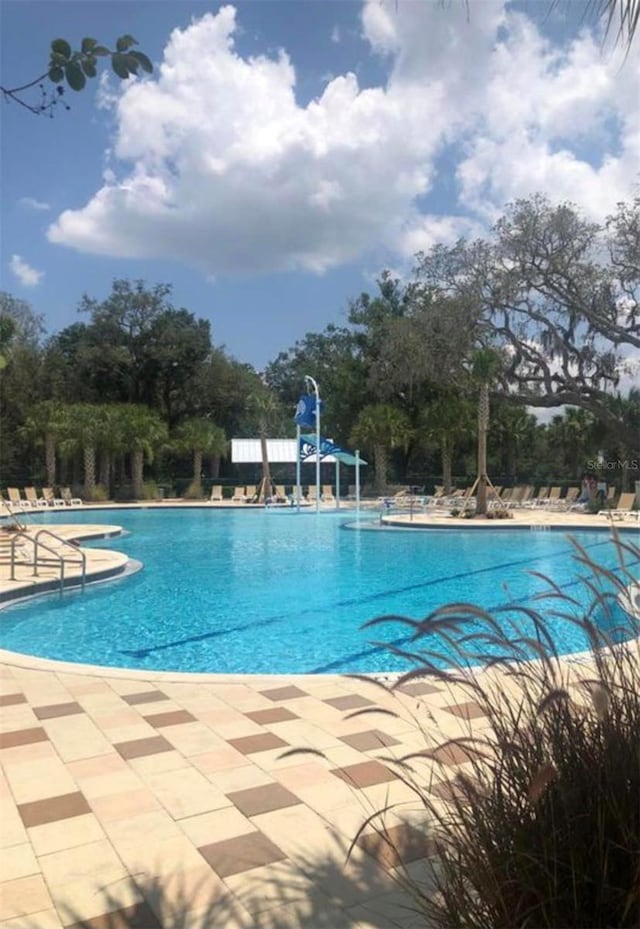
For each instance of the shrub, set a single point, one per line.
(150, 491)
(542, 829)
(100, 494)
(193, 491)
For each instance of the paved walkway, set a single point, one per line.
(134, 799)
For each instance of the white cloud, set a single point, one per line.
(216, 164)
(336, 35)
(28, 276)
(30, 203)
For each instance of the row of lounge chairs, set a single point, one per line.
(524, 497)
(32, 501)
(249, 493)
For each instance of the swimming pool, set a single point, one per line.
(276, 591)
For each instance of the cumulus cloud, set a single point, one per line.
(30, 203)
(28, 276)
(216, 164)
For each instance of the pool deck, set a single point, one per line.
(141, 799)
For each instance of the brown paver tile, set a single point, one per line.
(52, 809)
(231, 856)
(396, 845)
(276, 715)
(454, 754)
(138, 916)
(290, 692)
(22, 737)
(364, 774)
(57, 709)
(264, 799)
(139, 748)
(250, 744)
(369, 740)
(147, 696)
(173, 718)
(349, 702)
(470, 710)
(12, 699)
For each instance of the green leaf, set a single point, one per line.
(89, 67)
(119, 65)
(125, 42)
(144, 62)
(57, 59)
(56, 75)
(101, 51)
(62, 47)
(75, 78)
(88, 45)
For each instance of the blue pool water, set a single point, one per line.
(277, 591)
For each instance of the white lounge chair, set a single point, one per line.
(624, 508)
(65, 493)
(216, 493)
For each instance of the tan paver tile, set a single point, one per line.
(76, 737)
(57, 709)
(56, 836)
(197, 889)
(258, 743)
(37, 780)
(17, 717)
(215, 826)
(95, 861)
(98, 766)
(88, 897)
(143, 827)
(122, 719)
(21, 737)
(263, 799)
(113, 782)
(391, 909)
(138, 748)
(218, 759)
(18, 861)
(364, 774)
(275, 885)
(303, 834)
(53, 809)
(186, 792)
(45, 919)
(240, 778)
(156, 763)
(163, 857)
(24, 896)
(12, 831)
(123, 804)
(242, 853)
(193, 738)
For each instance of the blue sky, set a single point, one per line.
(283, 153)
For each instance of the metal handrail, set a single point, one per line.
(38, 543)
(82, 560)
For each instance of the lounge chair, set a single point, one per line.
(327, 493)
(65, 493)
(16, 500)
(32, 498)
(216, 493)
(312, 496)
(564, 503)
(238, 495)
(281, 494)
(250, 493)
(50, 498)
(539, 499)
(624, 508)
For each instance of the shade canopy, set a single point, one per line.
(283, 451)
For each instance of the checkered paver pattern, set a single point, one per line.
(161, 803)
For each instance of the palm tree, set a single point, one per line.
(45, 426)
(264, 405)
(201, 437)
(485, 366)
(381, 427)
(142, 432)
(447, 419)
(83, 434)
